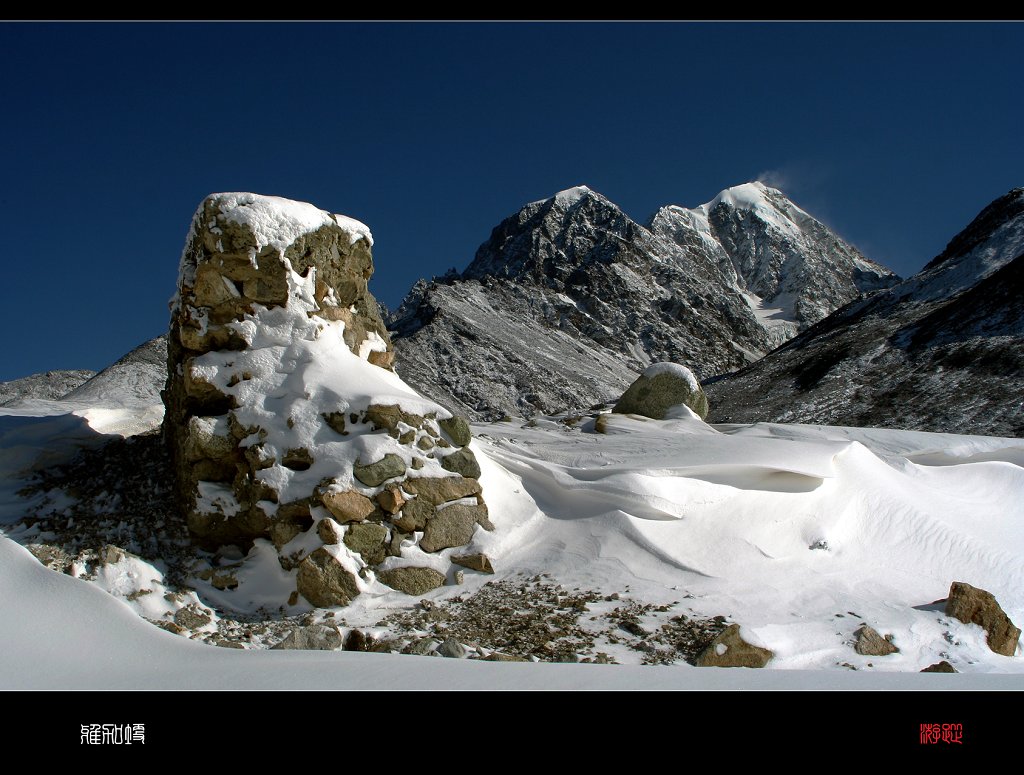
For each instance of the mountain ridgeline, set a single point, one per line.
(570, 298)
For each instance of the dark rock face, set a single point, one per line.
(976, 606)
(570, 298)
(940, 351)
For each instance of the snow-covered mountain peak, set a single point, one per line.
(572, 195)
(568, 197)
(747, 196)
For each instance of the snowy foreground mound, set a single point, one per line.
(800, 534)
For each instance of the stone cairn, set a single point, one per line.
(245, 258)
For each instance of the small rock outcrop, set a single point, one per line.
(661, 387)
(477, 562)
(317, 637)
(869, 643)
(940, 667)
(412, 581)
(285, 421)
(976, 606)
(729, 649)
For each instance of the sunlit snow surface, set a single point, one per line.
(780, 528)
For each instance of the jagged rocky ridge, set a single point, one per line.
(570, 298)
(287, 428)
(940, 351)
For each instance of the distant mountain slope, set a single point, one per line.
(570, 298)
(136, 379)
(940, 351)
(49, 385)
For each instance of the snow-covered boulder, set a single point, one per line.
(978, 606)
(283, 413)
(729, 649)
(661, 387)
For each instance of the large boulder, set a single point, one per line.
(661, 387)
(976, 606)
(284, 418)
(730, 650)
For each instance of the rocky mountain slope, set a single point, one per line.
(940, 351)
(48, 385)
(570, 298)
(135, 378)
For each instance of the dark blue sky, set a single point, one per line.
(896, 135)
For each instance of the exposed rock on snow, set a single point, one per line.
(976, 606)
(661, 387)
(453, 649)
(870, 643)
(939, 667)
(191, 618)
(412, 580)
(729, 649)
(940, 351)
(282, 410)
(570, 298)
(478, 562)
(319, 637)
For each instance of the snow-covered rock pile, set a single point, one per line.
(284, 419)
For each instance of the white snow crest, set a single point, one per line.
(274, 221)
(357, 230)
(675, 369)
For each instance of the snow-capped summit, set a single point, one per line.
(939, 351)
(570, 298)
(791, 268)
